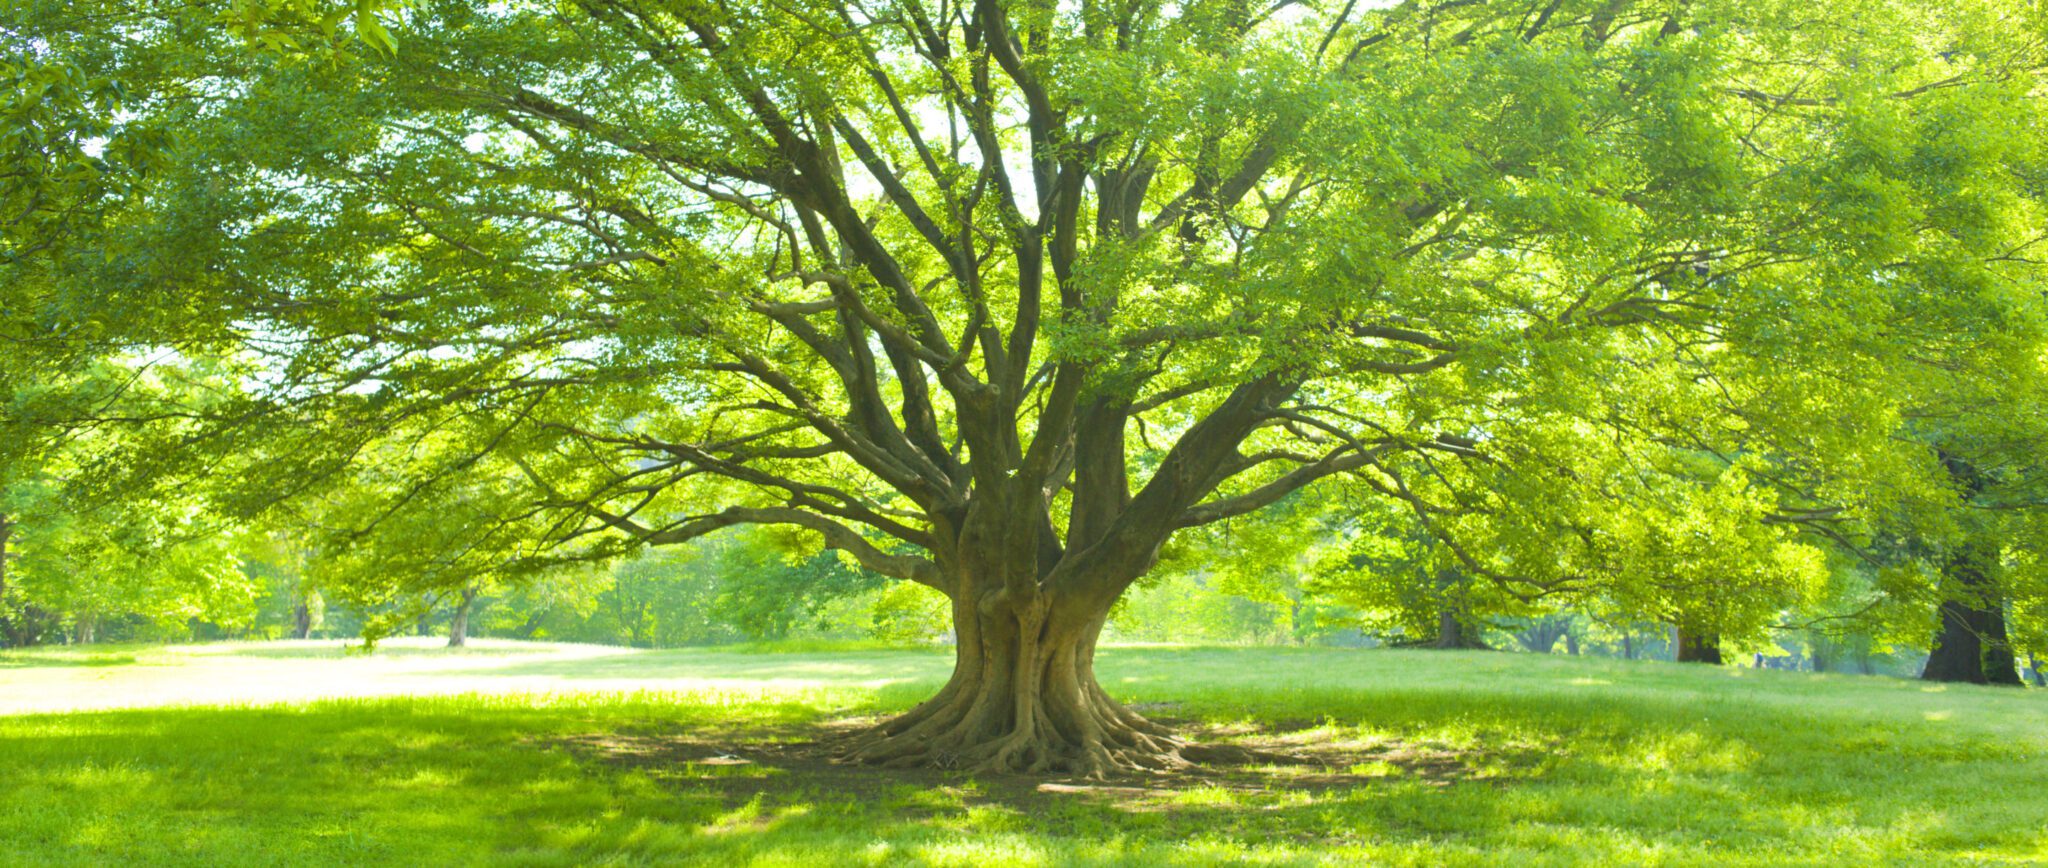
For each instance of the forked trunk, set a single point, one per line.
(1023, 698)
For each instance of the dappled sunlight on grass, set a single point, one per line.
(1395, 757)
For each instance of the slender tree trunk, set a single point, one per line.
(2040, 678)
(1696, 647)
(306, 594)
(1571, 644)
(1628, 646)
(458, 624)
(7, 630)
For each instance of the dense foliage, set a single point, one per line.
(1724, 315)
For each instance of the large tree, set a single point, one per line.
(997, 297)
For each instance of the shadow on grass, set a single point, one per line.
(1418, 770)
(39, 660)
(346, 652)
(866, 666)
(1297, 758)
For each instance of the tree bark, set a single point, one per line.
(1541, 637)
(1970, 644)
(458, 624)
(1023, 696)
(302, 620)
(1455, 627)
(7, 630)
(2033, 663)
(1571, 644)
(1452, 632)
(1696, 647)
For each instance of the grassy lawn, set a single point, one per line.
(561, 755)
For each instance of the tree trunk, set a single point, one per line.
(1971, 645)
(1455, 627)
(1571, 644)
(1023, 698)
(7, 631)
(1541, 637)
(1697, 647)
(458, 624)
(1820, 650)
(1453, 632)
(1628, 646)
(302, 621)
(2040, 678)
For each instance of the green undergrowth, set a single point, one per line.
(1446, 758)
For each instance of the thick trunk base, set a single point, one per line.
(1972, 647)
(1453, 633)
(1023, 699)
(1698, 647)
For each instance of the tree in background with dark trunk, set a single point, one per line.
(1458, 626)
(1541, 634)
(1695, 646)
(302, 620)
(7, 629)
(1971, 644)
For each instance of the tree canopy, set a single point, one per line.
(1644, 301)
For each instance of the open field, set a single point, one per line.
(294, 753)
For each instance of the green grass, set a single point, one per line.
(1456, 758)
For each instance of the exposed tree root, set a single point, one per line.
(1058, 725)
